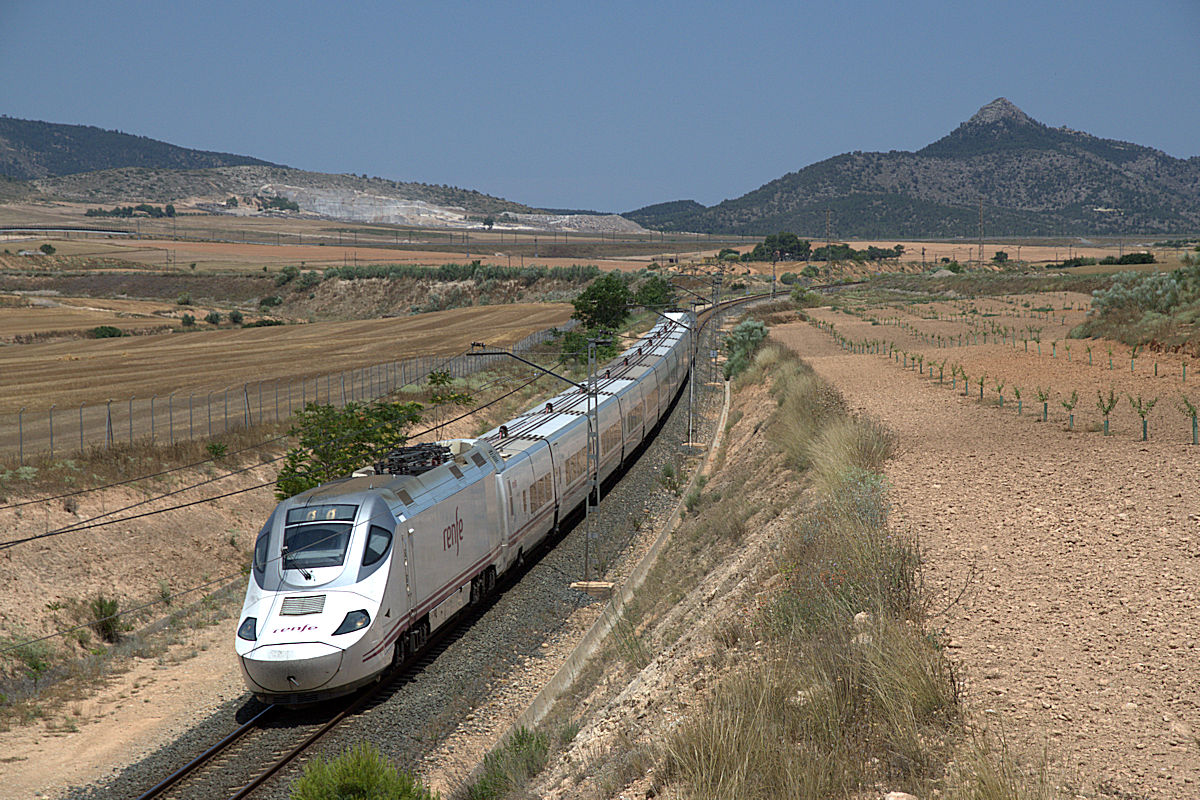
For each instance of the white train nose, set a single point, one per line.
(302, 667)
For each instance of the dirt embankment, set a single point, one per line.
(1068, 564)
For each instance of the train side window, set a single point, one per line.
(378, 541)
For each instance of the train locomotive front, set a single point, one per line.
(320, 577)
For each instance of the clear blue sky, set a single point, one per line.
(596, 105)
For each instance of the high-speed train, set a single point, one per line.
(350, 577)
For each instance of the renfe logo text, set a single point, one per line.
(452, 534)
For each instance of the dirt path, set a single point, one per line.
(1080, 556)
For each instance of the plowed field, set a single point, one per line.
(1065, 563)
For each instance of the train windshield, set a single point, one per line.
(318, 545)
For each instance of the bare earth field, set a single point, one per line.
(23, 316)
(1079, 556)
(92, 370)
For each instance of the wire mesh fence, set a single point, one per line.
(180, 416)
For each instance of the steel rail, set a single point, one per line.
(205, 757)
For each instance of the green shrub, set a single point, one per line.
(741, 344)
(286, 275)
(333, 442)
(107, 332)
(270, 302)
(216, 449)
(47, 248)
(105, 619)
(236, 317)
(213, 318)
(361, 773)
(511, 765)
(184, 299)
(188, 320)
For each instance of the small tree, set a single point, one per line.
(1190, 410)
(655, 292)
(1143, 409)
(213, 318)
(1106, 405)
(603, 304)
(1043, 396)
(1017, 394)
(236, 317)
(999, 387)
(47, 248)
(1069, 404)
(188, 320)
(335, 441)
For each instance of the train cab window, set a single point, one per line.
(318, 545)
(378, 541)
(261, 549)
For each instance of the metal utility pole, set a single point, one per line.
(593, 458)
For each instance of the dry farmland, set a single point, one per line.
(93, 370)
(1062, 563)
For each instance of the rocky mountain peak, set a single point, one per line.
(1000, 110)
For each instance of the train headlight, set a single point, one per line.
(246, 629)
(354, 621)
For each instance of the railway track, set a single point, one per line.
(288, 733)
(221, 772)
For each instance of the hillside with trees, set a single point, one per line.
(32, 149)
(1030, 178)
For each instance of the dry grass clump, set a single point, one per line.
(848, 692)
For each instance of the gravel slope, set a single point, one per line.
(1079, 556)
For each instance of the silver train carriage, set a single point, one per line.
(351, 576)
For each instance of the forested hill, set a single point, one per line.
(30, 149)
(1032, 180)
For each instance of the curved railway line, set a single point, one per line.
(220, 772)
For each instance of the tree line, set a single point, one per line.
(787, 246)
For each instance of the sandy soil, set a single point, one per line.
(1079, 556)
(129, 716)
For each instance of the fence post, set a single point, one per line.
(21, 436)
(225, 395)
(81, 429)
(260, 414)
(303, 392)
(277, 399)
(246, 399)
(152, 417)
(131, 418)
(171, 417)
(209, 404)
(191, 434)
(108, 431)
(343, 389)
